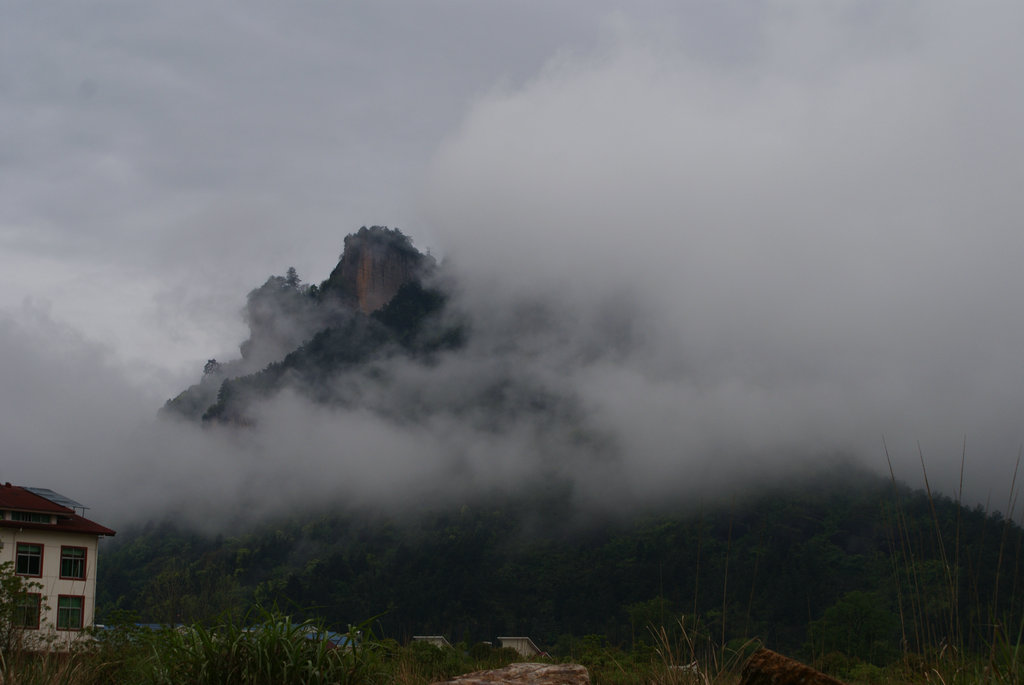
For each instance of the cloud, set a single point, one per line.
(719, 243)
(184, 153)
(825, 238)
(64, 403)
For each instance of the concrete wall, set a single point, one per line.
(52, 584)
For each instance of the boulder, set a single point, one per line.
(526, 674)
(771, 668)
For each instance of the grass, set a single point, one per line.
(689, 657)
(277, 650)
(951, 632)
(266, 648)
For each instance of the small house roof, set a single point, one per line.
(522, 640)
(439, 640)
(17, 498)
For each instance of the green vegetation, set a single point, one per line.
(851, 573)
(20, 599)
(273, 649)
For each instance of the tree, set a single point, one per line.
(860, 625)
(648, 617)
(21, 604)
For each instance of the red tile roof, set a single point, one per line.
(13, 497)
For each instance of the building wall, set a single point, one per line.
(52, 584)
(523, 645)
(436, 640)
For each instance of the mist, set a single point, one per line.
(825, 243)
(718, 263)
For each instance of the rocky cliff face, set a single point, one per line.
(318, 328)
(376, 262)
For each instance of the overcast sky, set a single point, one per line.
(812, 211)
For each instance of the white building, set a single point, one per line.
(521, 644)
(53, 547)
(436, 640)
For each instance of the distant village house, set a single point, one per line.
(436, 640)
(523, 645)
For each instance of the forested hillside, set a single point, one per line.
(845, 563)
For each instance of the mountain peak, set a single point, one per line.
(374, 302)
(375, 263)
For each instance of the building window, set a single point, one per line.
(27, 517)
(30, 560)
(26, 610)
(69, 612)
(72, 563)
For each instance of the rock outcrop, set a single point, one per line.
(376, 262)
(300, 333)
(771, 668)
(526, 674)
